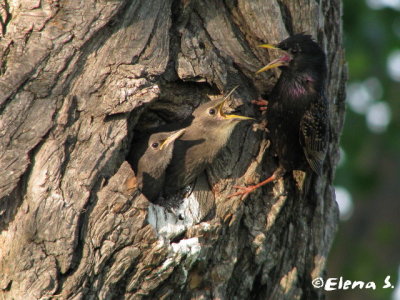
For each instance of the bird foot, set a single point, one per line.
(244, 191)
(262, 103)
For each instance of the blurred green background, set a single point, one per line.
(367, 245)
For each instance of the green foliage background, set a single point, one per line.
(367, 246)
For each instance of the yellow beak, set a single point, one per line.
(273, 64)
(225, 116)
(282, 61)
(172, 138)
(269, 46)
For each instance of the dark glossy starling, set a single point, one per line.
(298, 109)
(150, 159)
(199, 145)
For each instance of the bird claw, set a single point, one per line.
(262, 103)
(244, 191)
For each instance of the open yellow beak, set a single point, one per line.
(273, 64)
(170, 139)
(282, 61)
(225, 116)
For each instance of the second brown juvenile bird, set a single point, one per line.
(152, 154)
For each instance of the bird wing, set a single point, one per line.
(314, 133)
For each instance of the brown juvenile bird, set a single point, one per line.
(200, 143)
(150, 159)
(298, 109)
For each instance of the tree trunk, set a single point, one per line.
(79, 78)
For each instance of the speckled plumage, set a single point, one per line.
(298, 112)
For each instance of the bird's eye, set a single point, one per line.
(294, 51)
(212, 111)
(154, 145)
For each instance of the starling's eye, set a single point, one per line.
(293, 51)
(212, 111)
(154, 145)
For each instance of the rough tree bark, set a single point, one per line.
(78, 78)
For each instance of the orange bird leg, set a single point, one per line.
(262, 103)
(245, 190)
